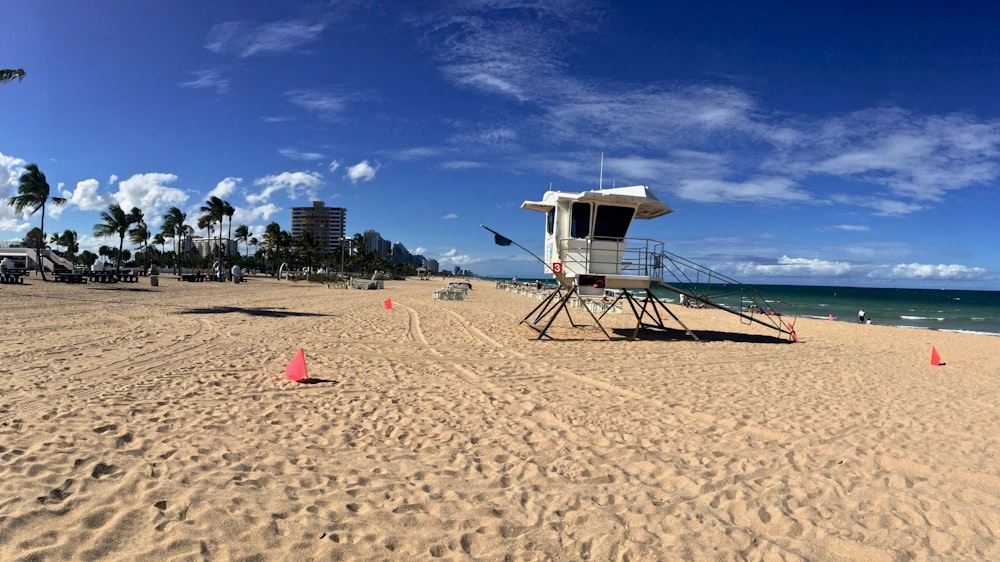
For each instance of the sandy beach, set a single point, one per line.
(156, 423)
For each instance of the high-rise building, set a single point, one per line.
(376, 244)
(326, 225)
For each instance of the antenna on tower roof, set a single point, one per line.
(600, 182)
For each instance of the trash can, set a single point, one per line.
(154, 280)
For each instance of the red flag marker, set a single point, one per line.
(296, 368)
(935, 357)
(388, 304)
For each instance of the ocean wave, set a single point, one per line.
(974, 332)
(921, 318)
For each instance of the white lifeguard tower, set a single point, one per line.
(588, 252)
(585, 236)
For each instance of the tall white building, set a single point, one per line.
(326, 225)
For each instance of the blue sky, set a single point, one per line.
(854, 143)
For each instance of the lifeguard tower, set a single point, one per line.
(588, 252)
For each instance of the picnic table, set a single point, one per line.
(12, 276)
(102, 276)
(193, 277)
(70, 277)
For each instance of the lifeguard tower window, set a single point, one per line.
(612, 221)
(580, 227)
(550, 221)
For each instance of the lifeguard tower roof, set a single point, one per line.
(647, 204)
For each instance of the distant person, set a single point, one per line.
(538, 284)
(861, 316)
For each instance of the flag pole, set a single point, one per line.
(530, 253)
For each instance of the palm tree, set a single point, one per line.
(32, 194)
(173, 226)
(116, 221)
(68, 240)
(162, 241)
(243, 234)
(8, 74)
(253, 242)
(212, 212)
(229, 211)
(140, 236)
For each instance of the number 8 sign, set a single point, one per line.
(557, 268)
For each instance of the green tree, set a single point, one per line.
(160, 240)
(116, 221)
(174, 227)
(140, 236)
(213, 211)
(229, 211)
(68, 239)
(9, 74)
(243, 234)
(33, 194)
(88, 258)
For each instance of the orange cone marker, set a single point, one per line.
(935, 357)
(296, 368)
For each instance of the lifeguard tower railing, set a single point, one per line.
(699, 286)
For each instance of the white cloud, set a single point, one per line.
(224, 188)
(246, 39)
(150, 194)
(86, 197)
(852, 227)
(919, 157)
(450, 216)
(882, 206)
(262, 212)
(294, 184)
(922, 271)
(461, 165)
(493, 138)
(452, 258)
(11, 168)
(796, 267)
(328, 106)
(334, 165)
(207, 79)
(300, 154)
(416, 153)
(113, 179)
(362, 171)
(752, 190)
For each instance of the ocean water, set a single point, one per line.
(932, 309)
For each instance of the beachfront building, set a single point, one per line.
(207, 247)
(376, 244)
(325, 224)
(432, 265)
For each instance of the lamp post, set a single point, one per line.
(342, 241)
